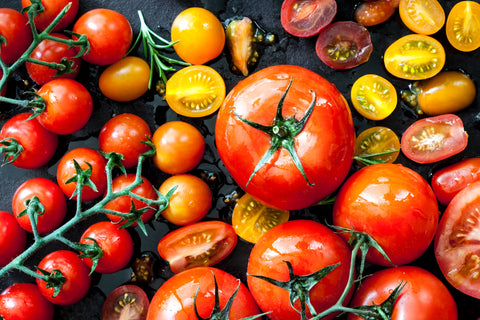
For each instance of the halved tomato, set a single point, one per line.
(125, 302)
(305, 18)
(422, 16)
(463, 26)
(377, 144)
(371, 13)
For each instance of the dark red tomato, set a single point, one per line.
(325, 145)
(76, 273)
(49, 195)
(51, 9)
(52, 51)
(305, 18)
(424, 296)
(23, 301)
(175, 299)
(394, 205)
(309, 246)
(116, 245)
(125, 302)
(125, 134)
(12, 240)
(16, 31)
(39, 144)
(433, 139)
(375, 12)
(344, 45)
(3, 91)
(66, 170)
(197, 245)
(109, 34)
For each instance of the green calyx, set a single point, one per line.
(91, 251)
(54, 279)
(11, 149)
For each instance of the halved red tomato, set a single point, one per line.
(125, 302)
(305, 18)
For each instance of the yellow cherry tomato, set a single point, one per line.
(463, 26)
(377, 144)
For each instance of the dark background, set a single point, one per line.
(159, 14)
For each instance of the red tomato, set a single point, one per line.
(325, 145)
(125, 302)
(50, 197)
(394, 205)
(109, 34)
(12, 238)
(23, 301)
(433, 139)
(76, 273)
(175, 299)
(51, 9)
(424, 296)
(305, 18)
(375, 12)
(16, 31)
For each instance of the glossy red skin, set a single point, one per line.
(51, 197)
(23, 301)
(424, 296)
(51, 9)
(325, 11)
(309, 246)
(109, 34)
(77, 276)
(393, 204)
(112, 302)
(39, 144)
(174, 300)
(116, 245)
(14, 28)
(325, 146)
(125, 134)
(12, 240)
(375, 12)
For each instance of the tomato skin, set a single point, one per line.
(371, 13)
(307, 18)
(14, 28)
(462, 27)
(131, 300)
(51, 9)
(23, 301)
(422, 16)
(394, 205)
(12, 240)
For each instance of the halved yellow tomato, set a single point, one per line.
(377, 145)
(463, 26)
(422, 16)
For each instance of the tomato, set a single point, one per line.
(175, 299)
(125, 80)
(463, 26)
(200, 35)
(12, 240)
(23, 301)
(374, 97)
(191, 200)
(51, 9)
(179, 147)
(372, 143)
(49, 195)
(324, 146)
(125, 134)
(305, 18)
(309, 246)
(394, 205)
(109, 34)
(69, 106)
(76, 273)
(433, 139)
(422, 16)
(344, 45)
(423, 297)
(84, 157)
(195, 91)
(125, 302)
(371, 13)
(414, 57)
(251, 218)
(200, 244)
(38, 145)
(16, 31)
(115, 242)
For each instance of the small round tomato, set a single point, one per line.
(23, 301)
(15, 29)
(200, 244)
(125, 80)
(374, 97)
(433, 139)
(179, 147)
(422, 16)
(305, 18)
(125, 302)
(51, 9)
(414, 57)
(200, 35)
(191, 200)
(377, 144)
(195, 91)
(371, 13)
(344, 45)
(49, 195)
(12, 240)
(394, 205)
(463, 26)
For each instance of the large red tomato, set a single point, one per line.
(265, 164)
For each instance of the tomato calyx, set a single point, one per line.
(91, 251)
(11, 149)
(54, 279)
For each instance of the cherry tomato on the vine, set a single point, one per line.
(125, 302)
(12, 240)
(23, 301)
(51, 9)
(463, 26)
(422, 16)
(377, 143)
(16, 31)
(305, 18)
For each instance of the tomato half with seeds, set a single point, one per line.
(433, 139)
(371, 13)
(422, 16)
(305, 18)
(125, 302)
(377, 144)
(463, 26)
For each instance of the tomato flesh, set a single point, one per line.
(463, 26)
(125, 302)
(374, 141)
(306, 18)
(422, 16)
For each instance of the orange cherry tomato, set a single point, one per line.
(422, 16)
(463, 26)
(377, 144)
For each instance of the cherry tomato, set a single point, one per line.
(371, 13)
(12, 239)
(49, 195)
(109, 34)
(179, 147)
(394, 205)
(433, 139)
(23, 301)
(344, 45)
(373, 143)
(191, 200)
(463, 26)
(16, 31)
(125, 302)
(200, 244)
(422, 16)
(195, 91)
(305, 18)
(51, 9)
(200, 35)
